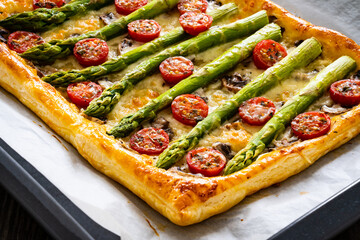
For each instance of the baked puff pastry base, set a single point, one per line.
(182, 198)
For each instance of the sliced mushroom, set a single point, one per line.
(356, 76)
(234, 82)
(162, 123)
(125, 43)
(334, 109)
(4, 34)
(225, 149)
(107, 18)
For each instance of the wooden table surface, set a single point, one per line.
(17, 224)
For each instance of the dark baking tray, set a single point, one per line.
(63, 220)
(52, 209)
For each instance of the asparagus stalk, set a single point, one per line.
(300, 57)
(296, 105)
(43, 19)
(119, 63)
(50, 51)
(216, 35)
(202, 77)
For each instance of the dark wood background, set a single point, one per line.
(16, 223)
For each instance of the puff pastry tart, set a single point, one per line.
(192, 105)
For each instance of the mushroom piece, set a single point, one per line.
(4, 34)
(125, 43)
(162, 123)
(234, 82)
(107, 18)
(225, 149)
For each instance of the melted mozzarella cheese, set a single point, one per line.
(8, 7)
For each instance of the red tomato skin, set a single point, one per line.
(260, 104)
(268, 52)
(346, 92)
(150, 141)
(91, 57)
(300, 124)
(136, 30)
(204, 168)
(21, 41)
(175, 69)
(195, 22)
(192, 6)
(189, 109)
(48, 3)
(125, 7)
(81, 94)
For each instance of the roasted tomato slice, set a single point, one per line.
(149, 141)
(311, 125)
(91, 52)
(192, 6)
(125, 7)
(81, 94)
(189, 109)
(207, 161)
(268, 52)
(257, 111)
(195, 22)
(346, 92)
(175, 69)
(144, 30)
(48, 3)
(21, 41)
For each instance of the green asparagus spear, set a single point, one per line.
(202, 77)
(300, 57)
(50, 51)
(119, 63)
(43, 19)
(216, 35)
(296, 105)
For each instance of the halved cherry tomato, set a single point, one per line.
(144, 30)
(175, 69)
(82, 93)
(150, 141)
(21, 41)
(257, 111)
(192, 6)
(195, 22)
(48, 3)
(346, 92)
(207, 161)
(91, 52)
(126, 7)
(189, 109)
(268, 52)
(310, 125)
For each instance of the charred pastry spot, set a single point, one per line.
(4, 34)
(125, 43)
(234, 82)
(225, 149)
(298, 42)
(272, 19)
(107, 18)
(162, 123)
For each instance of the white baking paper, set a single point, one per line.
(117, 209)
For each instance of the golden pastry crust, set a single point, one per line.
(182, 198)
